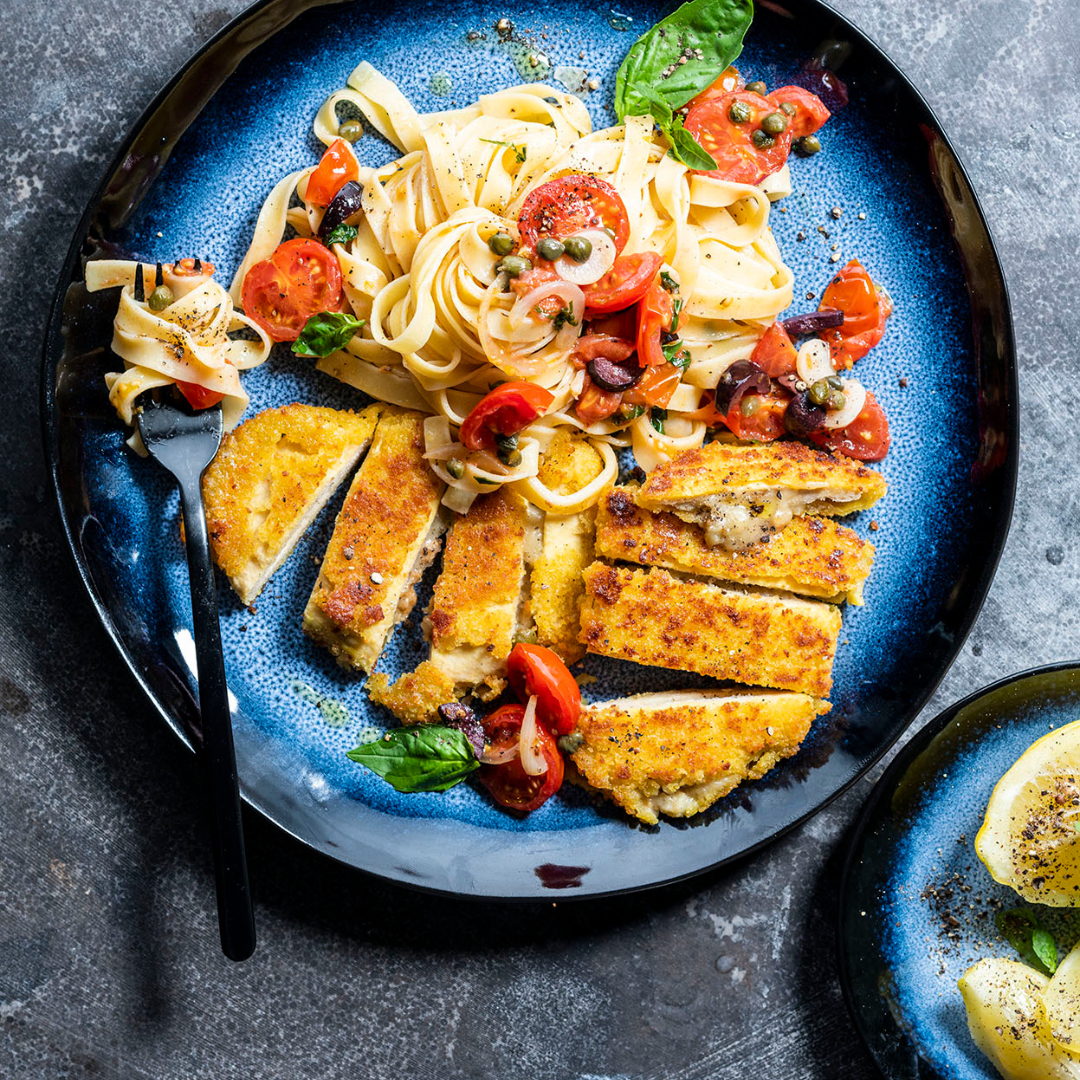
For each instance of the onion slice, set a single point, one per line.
(499, 757)
(532, 761)
(601, 259)
(566, 291)
(855, 399)
(814, 361)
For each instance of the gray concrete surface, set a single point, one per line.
(109, 966)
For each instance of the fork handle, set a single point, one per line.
(236, 919)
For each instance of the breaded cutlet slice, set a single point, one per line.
(475, 612)
(742, 494)
(269, 480)
(734, 633)
(677, 752)
(556, 587)
(386, 533)
(812, 557)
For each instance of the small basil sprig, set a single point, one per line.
(326, 333)
(520, 152)
(428, 757)
(340, 234)
(1021, 928)
(677, 59)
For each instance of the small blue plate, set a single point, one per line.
(916, 904)
(190, 179)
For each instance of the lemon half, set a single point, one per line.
(1030, 837)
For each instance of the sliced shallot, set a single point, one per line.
(854, 400)
(601, 259)
(814, 361)
(532, 761)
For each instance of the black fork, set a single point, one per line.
(185, 443)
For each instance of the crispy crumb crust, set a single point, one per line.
(725, 467)
(811, 556)
(270, 477)
(641, 751)
(762, 639)
(416, 696)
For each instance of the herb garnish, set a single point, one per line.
(668, 282)
(1021, 928)
(428, 757)
(326, 333)
(563, 316)
(657, 418)
(520, 152)
(340, 234)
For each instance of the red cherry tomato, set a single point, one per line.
(564, 207)
(857, 297)
(655, 312)
(765, 419)
(505, 411)
(731, 144)
(536, 670)
(656, 386)
(730, 80)
(774, 353)
(590, 346)
(624, 284)
(810, 111)
(198, 396)
(866, 437)
(550, 306)
(501, 727)
(595, 404)
(622, 324)
(510, 785)
(337, 167)
(299, 280)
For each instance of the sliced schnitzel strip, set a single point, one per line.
(676, 753)
(742, 494)
(269, 480)
(737, 634)
(812, 557)
(385, 535)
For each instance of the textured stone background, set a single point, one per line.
(108, 950)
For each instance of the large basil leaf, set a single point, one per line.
(706, 35)
(326, 333)
(1021, 928)
(428, 757)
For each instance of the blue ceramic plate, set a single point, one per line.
(917, 906)
(190, 180)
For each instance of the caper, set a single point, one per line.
(506, 443)
(788, 107)
(762, 139)
(835, 401)
(579, 248)
(456, 468)
(513, 266)
(807, 146)
(351, 130)
(160, 298)
(756, 87)
(750, 404)
(739, 112)
(819, 392)
(549, 249)
(835, 382)
(511, 459)
(775, 123)
(569, 743)
(501, 243)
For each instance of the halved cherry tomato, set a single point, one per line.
(866, 437)
(505, 411)
(656, 386)
(655, 312)
(536, 670)
(765, 422)
(511, 786)
(501, 728)
(337, 167)
(774, 353)
(595, 404)
(564, 207)
(857, 297)
(621, 324)
(550, 306)
(730, 80)
(590, 346)
(299, 280)
(731, 144)
(810, 111)
(198, 396)
(624, 284)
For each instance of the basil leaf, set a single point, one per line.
(660, 109)
(1043, 946)
(341, 234)
(520, 152)
(428, 757)
(1021, 928)
(707, 33)
(326, 333)
(685, 148)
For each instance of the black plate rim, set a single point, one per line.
(885, 786)
(1007, 470)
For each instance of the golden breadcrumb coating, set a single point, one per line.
(269, 480)
(812, 556)
(385, 526)
(676, 753)
(416, 696)
(763, 639)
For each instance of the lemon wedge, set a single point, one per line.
(1029, 838)
(1004, 1006)
(1061, 1004)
